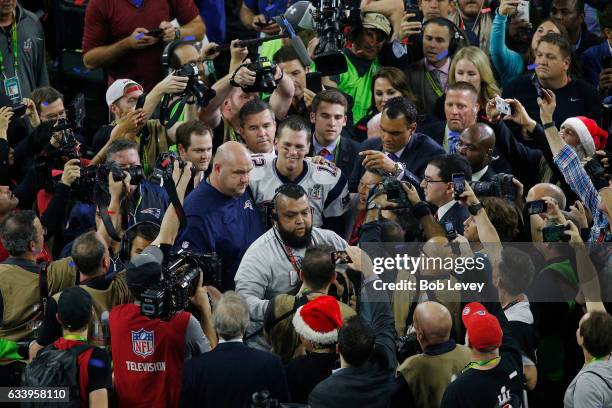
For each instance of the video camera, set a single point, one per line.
(501, 186)
(93, 182)
(195, 86)
(164, 166)
(330, 17)
(264, 76)
(179, 283)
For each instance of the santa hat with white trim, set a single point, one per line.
(319, 320)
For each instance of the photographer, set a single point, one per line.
(152, 137)
(158, 363)
(221, 114)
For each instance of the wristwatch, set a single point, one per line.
(372, 205)
(475, 208)
(399, 169)
(548, 125)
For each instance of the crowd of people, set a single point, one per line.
(429, 227)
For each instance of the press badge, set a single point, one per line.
(12, 89)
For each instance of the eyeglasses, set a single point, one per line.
(427, 180)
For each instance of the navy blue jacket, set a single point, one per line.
(418, 152)
(592, 62)
(221, 224)
(229, 375)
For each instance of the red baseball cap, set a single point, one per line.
(483, 329)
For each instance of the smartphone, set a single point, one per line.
(77, 110)
(19, 110)
(502, 106)
(458, 185)
(260, 24)
(451, 233)
(156, 32)
(141, 101)
(536, 207)
(313, 82)
(607, 62)
(412, 9)
(522, 11)
(555, 233)
(340, 257)
(536, 84)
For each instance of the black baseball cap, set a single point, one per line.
(74, 308)
(145, 269)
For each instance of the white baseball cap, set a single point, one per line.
(119, 88)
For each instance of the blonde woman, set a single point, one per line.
(471, 65)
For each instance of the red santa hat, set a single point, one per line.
(319, 320)
(591, 136)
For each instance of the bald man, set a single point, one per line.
(424, 377)
(476, 144)
(542, 190)
(221, 216)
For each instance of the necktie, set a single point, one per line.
(393, 157)
(453, 141)
(326, 154)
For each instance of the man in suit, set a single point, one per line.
(229, 375)
(367, 350)
(328, 115)
(476, 144)
(428, 77)
(438, 187)
(399, 150)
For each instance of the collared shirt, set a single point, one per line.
(330, 147)
(577, 178)
(478, 175)
(399, 152)
(236, 340)
(444, 209)
(442, 72)
(440, 348)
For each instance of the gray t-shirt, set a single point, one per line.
(592, 387)
(195, 341)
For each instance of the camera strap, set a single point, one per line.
(170, 187)
(43, 285)
(299, 301)
(171, 112)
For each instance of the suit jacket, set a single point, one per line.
(229, 375)
(435, 130)
(592, 62)
(421, 88)
(369, 386)
(347, 157)
(488, 175)
(457, 214)
(418, 152)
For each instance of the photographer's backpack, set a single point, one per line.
(55, 368)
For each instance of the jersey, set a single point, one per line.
(148, 357)
(326, 186)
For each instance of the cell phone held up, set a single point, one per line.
(536, 207)
(458, 180)
(313, 82)
(19, 110)
(555, 233)
(340, 257)
(141, 101)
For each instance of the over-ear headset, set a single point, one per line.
(128, 237)
(293, 189)
(457, 39)
(169, 53)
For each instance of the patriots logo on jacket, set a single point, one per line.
(248, 204)
(143, 342)
(155, 212)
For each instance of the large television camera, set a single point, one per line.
(179, 282)
(330, 17)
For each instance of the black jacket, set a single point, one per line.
(347, 157)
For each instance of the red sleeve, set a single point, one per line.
(184, 11)
(97, 31)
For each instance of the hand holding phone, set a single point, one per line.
(458, 180)
(313, 82)
(502, 106)
(555, 233)
(340, 257)
(536, 207)
(141, 101)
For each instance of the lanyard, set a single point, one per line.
(435, 86)
(289, 254)
(480, 363)
(15, 50)
(75, 337)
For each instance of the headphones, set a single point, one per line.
(283, 189)
(128, 237)
(168, 53)
(457, 38)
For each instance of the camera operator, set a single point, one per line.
(221, 114)
(23, 236)
(291, 64)
(152, 137)
(92, 259)
(147, 369)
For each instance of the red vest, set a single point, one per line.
(148, 357)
